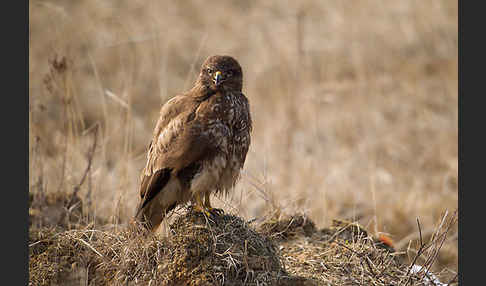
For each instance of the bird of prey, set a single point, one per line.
(199, 144)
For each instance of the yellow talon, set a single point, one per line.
(199, 206)
(201, 210)
(207, 205)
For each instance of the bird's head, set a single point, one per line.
(221, 73)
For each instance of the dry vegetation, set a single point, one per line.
(221, 250)
(355, 117)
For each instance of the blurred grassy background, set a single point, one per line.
(354, 103)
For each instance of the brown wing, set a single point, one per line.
(243, 127)
(178, 141)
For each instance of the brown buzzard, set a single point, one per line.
(199, 144)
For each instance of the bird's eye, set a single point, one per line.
(209, 70)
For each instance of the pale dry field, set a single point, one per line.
(354, 104)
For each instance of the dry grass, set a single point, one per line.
(354, 107)
(221, 250)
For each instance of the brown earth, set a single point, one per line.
(222, 249)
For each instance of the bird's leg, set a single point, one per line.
(199, 206)
(207, 204)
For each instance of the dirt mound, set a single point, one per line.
(343, 254)
(221, 249)
(217, 250)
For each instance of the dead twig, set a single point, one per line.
(90, 247)
(70, 203)
(88, 168)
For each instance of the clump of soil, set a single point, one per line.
(220, 249)
(200, 250)
(287, 228)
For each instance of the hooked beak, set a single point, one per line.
(217, 78)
